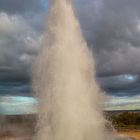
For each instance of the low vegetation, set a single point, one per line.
(126, 120)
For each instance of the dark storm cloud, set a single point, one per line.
(22, 88)
(112, 30)
(14, 75)
(18, 6)
(121, 85)
(15, 81)
(129, 91)
(20, 39)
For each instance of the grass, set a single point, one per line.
(127, 127)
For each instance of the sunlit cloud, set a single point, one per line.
(17, 105)
(123, 103)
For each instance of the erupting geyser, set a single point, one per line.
(69, 98)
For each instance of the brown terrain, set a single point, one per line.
(22, 127)
(17, 127)
(130, 133)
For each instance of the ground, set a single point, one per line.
(22, 127)
(131, 133)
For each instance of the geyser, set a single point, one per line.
(69, 97)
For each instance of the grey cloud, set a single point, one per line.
(19, 6)
(111, 29)
(113, 33)
(19, 44)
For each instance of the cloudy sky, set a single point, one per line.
(111, 29)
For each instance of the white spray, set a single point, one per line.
(69, 98)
